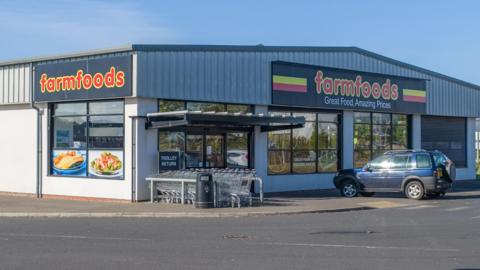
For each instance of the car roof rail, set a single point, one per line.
(405, 151)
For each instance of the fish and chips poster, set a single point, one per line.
(69, 162)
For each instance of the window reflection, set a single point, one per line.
(70, 132)
(376, 133)
(237, 150)
(310, 149)
(106, 131)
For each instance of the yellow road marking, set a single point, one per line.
(382, 204)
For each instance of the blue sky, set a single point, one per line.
(443, 36)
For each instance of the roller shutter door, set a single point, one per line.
(446, 134)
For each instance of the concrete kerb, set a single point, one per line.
(173, 214)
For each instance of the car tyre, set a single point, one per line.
(436, 195)
(349, 189)
(367, 194)
(414, 190)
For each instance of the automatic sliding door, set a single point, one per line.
(194, 151)
(215, 156)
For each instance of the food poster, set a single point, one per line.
(105, 164)
(69, 162)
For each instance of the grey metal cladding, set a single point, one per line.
(243, 75)
(15, 84)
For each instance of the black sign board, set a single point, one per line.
(168, 161)
(109, 77)
(324, 87)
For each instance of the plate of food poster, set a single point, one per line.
(105, 164)
(69, 162)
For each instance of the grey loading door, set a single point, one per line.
(446, 134)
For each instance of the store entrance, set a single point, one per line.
(217, 150)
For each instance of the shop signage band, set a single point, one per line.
(323, 87)
(87, 79)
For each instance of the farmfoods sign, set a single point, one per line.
(87, 79)
(322, 87)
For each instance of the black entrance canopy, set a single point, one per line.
(267, 122)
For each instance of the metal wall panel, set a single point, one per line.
(15, 84)
(244, 76)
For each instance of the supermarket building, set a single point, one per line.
(95, 124)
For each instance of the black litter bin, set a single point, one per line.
(204, 191)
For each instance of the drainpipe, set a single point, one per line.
(39, 135)
(134, 156)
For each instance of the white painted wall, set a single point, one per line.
(147, 147)
(18, 143)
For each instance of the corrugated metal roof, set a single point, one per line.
(262, 48)
(68, 55)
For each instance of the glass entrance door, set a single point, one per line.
(217, 150)
(214, 149)
(194, 151)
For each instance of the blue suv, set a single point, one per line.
(416, 173)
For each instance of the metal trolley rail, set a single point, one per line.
(232, 186)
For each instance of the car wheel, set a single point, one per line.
(414, 190)
(367, 194)
(349, 189)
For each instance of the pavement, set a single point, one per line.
(299, 202)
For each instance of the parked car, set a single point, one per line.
(416, 173)
(237, 158)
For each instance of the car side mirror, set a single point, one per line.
(368, 168)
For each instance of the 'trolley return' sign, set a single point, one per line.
(324, 87)
(87, 79)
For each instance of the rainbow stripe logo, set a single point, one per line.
(289, 84)
(412, 95)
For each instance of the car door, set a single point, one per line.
(373, 175)
(401, 166)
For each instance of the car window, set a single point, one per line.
(401, 162)
(424, 161)
(439, 159)
(381, 162)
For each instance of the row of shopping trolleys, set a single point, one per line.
(232, 187)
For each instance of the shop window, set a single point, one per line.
(105, 131)
(304, 145)
(237, 150)
(327, 146)
(70, 109)
(165, 105)
(313, 148)
(170, 105)
(376, 133)
(88, 139)
(171, 141)
(234, 108)
(70, 132)
(205, 107)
